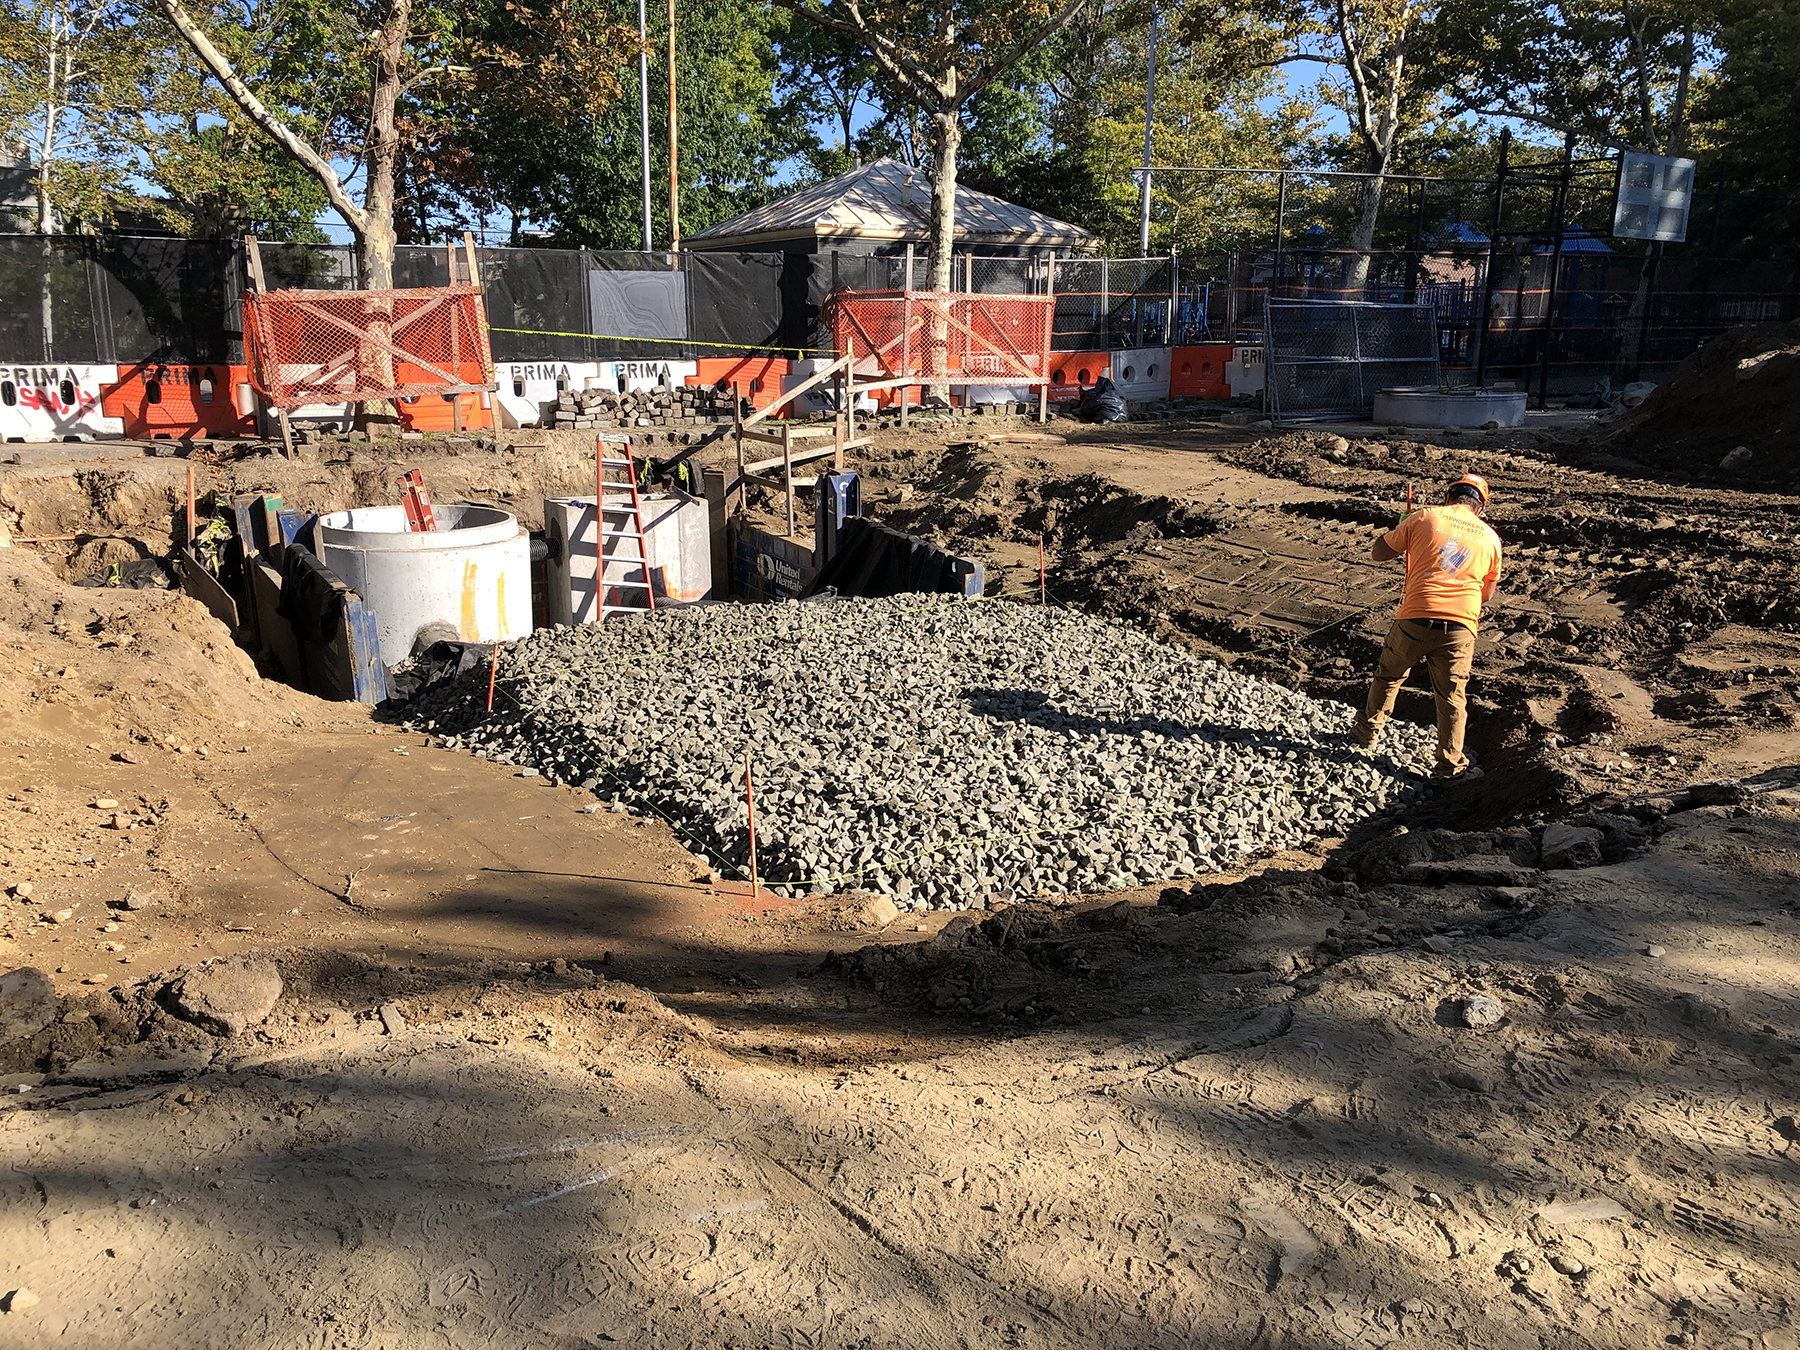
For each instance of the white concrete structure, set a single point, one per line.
(468, 580)
(1449, 408)
(677, 542)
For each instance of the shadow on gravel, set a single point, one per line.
(1035, 708)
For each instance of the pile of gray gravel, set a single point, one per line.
(937, 750)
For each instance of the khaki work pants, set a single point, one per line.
(1448, 655)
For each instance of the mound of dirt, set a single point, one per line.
(150, 664)
(1741, 389)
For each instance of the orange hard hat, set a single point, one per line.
(1475, 481)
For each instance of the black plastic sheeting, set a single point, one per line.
(112, 298)
(128, 299)
(874, 560)
(438, 663)
(1102, 403)
(760, 300)
(313, 600)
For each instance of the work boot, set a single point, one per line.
(1468, 775)
(1361, 733)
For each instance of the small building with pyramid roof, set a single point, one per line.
(880, 208)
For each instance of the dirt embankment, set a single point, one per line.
(1740, 390)
(126, 503)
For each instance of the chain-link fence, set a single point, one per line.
(117, 298)
(1103, 304)
(1327, 358)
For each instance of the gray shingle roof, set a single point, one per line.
(888, 201)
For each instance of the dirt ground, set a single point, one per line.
(533, 1080)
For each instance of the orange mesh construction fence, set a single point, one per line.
(942, 335)
(306, 347)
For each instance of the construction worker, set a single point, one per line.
(1452, 566)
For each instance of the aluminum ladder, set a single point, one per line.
(618, 516)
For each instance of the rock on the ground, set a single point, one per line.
(392, 1020)
(1567, 845)
(1480, 1011)
(18, 1300)
(1719, 792)
(1567, 1265)
(229, 995)
(28, 1003)
(880, 912)
(1469, 1080)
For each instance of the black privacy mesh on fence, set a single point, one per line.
(115, 298)
(1327, 358)
(1107, 303)
(1604, 314)
(753, 300)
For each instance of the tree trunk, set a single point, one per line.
(46, 225)
(375, 241)
(47, 301)
(1362, 238)
(946, 140)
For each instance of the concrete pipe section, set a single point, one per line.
(1425, 407)
(468, 580)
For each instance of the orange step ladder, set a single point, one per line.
(619, 519)
(420, 518)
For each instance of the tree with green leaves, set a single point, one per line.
(1527, 63)
(73, 74)
(938, 58)
(825, 77)
(386, 85)
(575, 179)
(1747, 121)
(1373, 52)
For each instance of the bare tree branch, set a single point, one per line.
(272, 126)
(908, 72)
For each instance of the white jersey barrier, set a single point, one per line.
(56, 403)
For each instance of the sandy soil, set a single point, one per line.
(613, 1102)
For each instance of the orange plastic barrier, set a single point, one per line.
(759, 378)
(970, 337)
(1199, 372)
(164, 402)
(1070, 372)
(438, 412)
(350, 346)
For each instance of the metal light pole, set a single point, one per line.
(644, 114)
(1149, 117)
(674, 145)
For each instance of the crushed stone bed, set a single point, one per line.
(937, 750)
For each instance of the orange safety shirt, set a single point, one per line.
(1452, 563)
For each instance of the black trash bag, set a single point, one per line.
(438, 664)
(1102, 403)
(134, 574)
